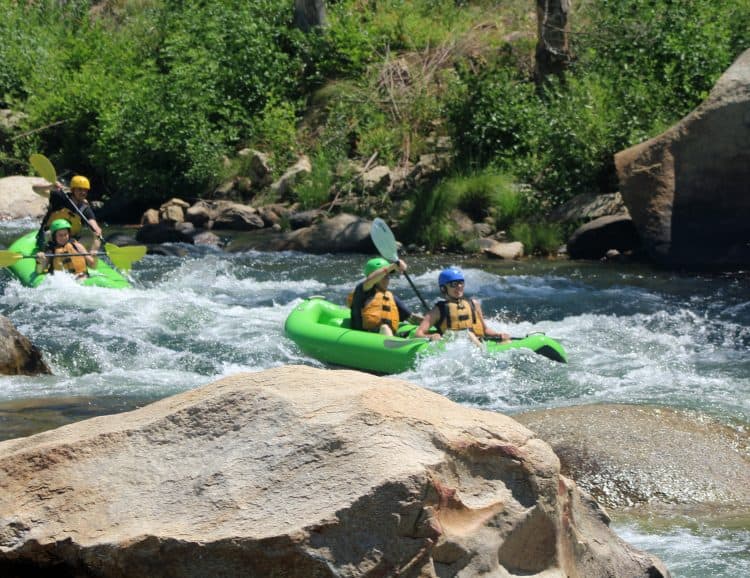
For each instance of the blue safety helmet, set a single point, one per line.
(448, 275)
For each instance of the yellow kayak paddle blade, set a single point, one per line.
(8, 258)
(124, 257)
(121, 257)
(43, 166)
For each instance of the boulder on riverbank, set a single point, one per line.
(687, 189)
(18, 199)
(632, 455)
(301, 472)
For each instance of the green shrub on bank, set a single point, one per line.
(640, 66)
(537, 238)
(156, 99)
(149, 96)
(315, 189)
(483, 194)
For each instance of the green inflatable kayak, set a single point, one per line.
(321, 330)
(25, 269)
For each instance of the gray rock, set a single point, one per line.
(688, 189)
(594, 239)
(343, 233)
(18, 356)
(18, 199)
(301, 472)
(510, 251)
(284, 187)
(628, 455)
(588, 206)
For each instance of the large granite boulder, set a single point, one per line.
(301, 472)
(18, 199)
(18, 356)
(688, 189)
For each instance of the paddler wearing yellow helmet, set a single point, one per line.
(373, 307)
(63, 252)
(71, 207)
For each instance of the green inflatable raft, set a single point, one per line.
(25, 269)
(321, 330)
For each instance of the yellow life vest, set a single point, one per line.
(72, 264)
(459, 315)
(69, 215)
(380, 309)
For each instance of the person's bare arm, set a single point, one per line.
(372, 279)
(97, 230)
(428, 321)
(90, 259)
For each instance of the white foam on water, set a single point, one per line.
(687, 553)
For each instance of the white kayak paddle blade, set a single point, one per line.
(384, 241)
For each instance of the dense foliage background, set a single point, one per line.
(150, 96)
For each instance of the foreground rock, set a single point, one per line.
(628, 455)
(687, 189)
(18, 356)
(301, 472)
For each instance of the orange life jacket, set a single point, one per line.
(69, 215)
(459, 315)
(380, 309)
(74, 264)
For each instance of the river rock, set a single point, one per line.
(687, 189)
(343, 233)
(284, 187)
(301, 472)
(596, 238)
(18, 356)
(18, 199)
(630, 455)
(589, 206)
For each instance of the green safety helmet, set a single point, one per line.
(58, 224)
(374, 265)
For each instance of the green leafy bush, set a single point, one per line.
(315, 189)
(537, 238)
(428, 221)
(640, 67)
(488, 193)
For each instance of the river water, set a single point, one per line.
(633, 335)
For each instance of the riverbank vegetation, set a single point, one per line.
(151, 97)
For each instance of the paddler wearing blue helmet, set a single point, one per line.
(456, 312)
(373, 307)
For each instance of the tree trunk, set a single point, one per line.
(309, 13)
(552, 51)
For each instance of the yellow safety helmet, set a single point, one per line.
(80, 182)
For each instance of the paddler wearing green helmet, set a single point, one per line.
(373, 307)
(64, 253)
